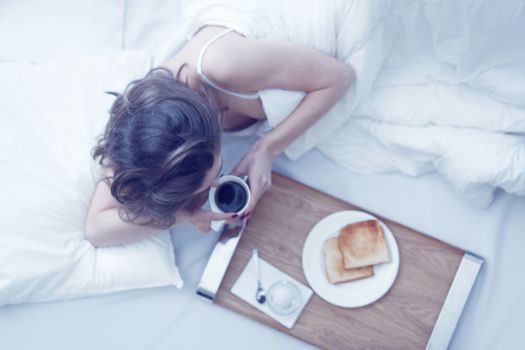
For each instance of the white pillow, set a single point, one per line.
(160, 31)
(50, 115)
(36, 30)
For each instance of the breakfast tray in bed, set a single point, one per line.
(420, 311)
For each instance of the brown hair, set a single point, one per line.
(161, 139)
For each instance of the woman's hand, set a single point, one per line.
(201, 219)
(257, 165)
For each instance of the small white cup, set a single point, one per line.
(284, 298)
(243, 181)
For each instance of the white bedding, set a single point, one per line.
(166, 318)
(450, 98)
(35, 30)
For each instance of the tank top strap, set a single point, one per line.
(211, 83)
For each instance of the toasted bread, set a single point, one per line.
(333, 261)
(362, 244)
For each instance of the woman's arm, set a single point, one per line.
(104, 227)
(253, 64)
(256, 64)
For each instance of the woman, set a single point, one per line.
(161, 148)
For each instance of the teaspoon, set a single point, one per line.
(260, 295)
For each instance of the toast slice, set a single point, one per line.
(333, 262)
(363, 243)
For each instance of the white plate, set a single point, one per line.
(347, 294)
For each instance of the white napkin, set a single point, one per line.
(246, 286)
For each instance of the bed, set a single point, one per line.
(167, 318)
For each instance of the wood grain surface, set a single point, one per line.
(402, 319)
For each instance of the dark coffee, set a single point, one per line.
(230, 197)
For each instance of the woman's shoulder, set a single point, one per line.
(216, 62)
(220, 59)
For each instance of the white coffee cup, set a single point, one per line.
(243, 182)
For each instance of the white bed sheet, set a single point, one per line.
(166, 318)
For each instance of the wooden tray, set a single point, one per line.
(403, 319)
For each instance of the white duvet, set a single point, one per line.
(440, 84)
